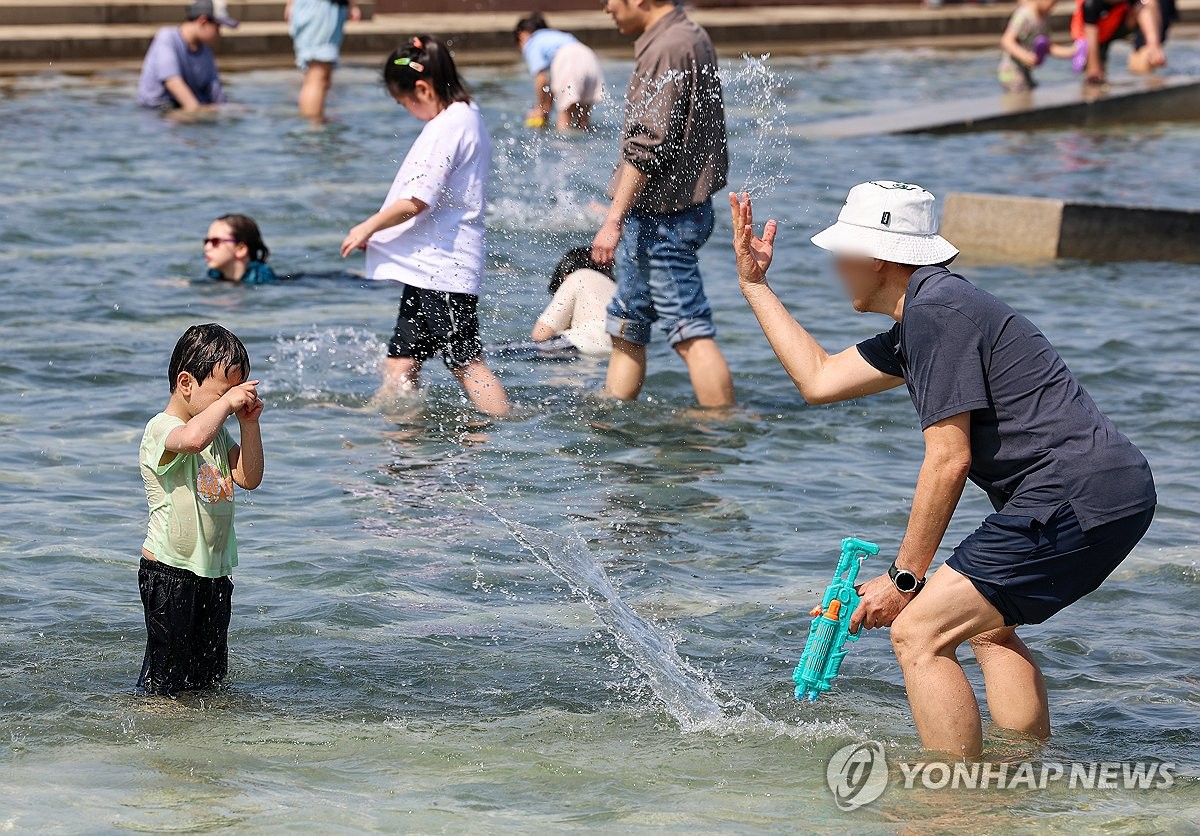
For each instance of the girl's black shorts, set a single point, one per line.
(437, 322)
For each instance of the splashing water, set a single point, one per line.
(752, 95)
(684, 692)
(687, 693)
(321, 362)
(570, 174)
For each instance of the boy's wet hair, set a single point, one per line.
(577, 258)
(424, 57)
(245, 231)
(529, 24)
(203, 349)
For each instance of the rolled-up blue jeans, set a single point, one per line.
(658, 276)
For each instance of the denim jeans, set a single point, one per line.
(658, 276)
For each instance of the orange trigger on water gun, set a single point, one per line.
(815, 612)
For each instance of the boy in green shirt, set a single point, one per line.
(190, 464)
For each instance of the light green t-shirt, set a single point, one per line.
(191, 502)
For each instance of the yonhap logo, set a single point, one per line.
(857, 774)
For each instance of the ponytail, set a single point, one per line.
(427, 58)
(245, 231)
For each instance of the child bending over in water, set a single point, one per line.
(234, 251)
(573, 322)
(1026, 43)
(565, 72)
(576, 315)
(429, 235)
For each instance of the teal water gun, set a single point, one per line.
(826, 645)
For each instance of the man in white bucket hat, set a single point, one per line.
(997, 405)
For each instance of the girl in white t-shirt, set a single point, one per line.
(429, 235)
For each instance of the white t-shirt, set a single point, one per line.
(447, 168)
(577, 310)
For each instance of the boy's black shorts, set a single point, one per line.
(187, 625)
(436, 322)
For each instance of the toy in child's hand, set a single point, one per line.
(535, 121)
(830, 630)
(1079, 59)
(1041, 48)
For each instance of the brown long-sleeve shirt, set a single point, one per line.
(675, 116)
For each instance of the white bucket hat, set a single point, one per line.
(891, 221)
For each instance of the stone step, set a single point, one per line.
(150, 12)
(1155, 98)
(1001, 228)
(487, 36)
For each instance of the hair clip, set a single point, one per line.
(417, 43)
(411, 64)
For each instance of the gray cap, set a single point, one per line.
(215, 10)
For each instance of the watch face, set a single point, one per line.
(905, 581)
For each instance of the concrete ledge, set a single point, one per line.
(1001, 227)
(108, 30)
(150, 12)
(75, 35)
(1150, 99)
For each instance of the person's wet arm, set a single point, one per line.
(182, 94)
(940, 485)
(246, 459)
(394, 214)
(629, 185)
(646, 150)
(1010, 44)
(820, 376)
(542, 94)
(201, 429)
(556, 318)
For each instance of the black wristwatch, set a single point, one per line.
(904, 580)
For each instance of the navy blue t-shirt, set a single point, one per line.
(1038, 440)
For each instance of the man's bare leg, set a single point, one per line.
(483, 388)
(1095, 69)
(925, 635)
(626, 370)
(1016, 691)
(709, 372)
(1150, 56)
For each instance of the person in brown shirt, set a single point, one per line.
(674, 157)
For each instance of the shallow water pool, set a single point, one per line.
(588, 615)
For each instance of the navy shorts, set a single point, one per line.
(1029, 571)
(436, 322)
(658, 276)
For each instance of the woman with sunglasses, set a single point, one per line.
(234, 251)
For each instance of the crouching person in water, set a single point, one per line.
(429, 235)
(997, 405)
(190, 464)
(575, 317)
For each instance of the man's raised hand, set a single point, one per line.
(754, 254)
